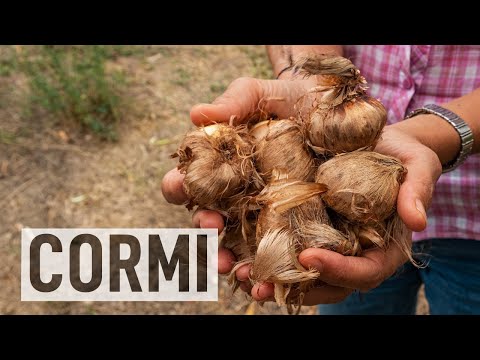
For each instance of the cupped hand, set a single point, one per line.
(344, 274)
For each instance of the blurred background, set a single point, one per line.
(86, 134)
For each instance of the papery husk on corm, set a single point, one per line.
(345, 118)
(362, 186)
(281, 144)
(286, 202)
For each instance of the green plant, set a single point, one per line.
(182, 77)
(259, 61)
(218, 87)
(72, 83)
(7, 60)
(6, 67)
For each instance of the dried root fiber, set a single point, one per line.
(217, 164)
(276, 261)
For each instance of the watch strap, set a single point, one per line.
(462, 128)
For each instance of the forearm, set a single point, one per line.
(439, 135)
(282, 56)
(467, 107)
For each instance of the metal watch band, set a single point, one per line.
(466, 135)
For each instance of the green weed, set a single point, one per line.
(72, 83)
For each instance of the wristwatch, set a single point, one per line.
(466, 135)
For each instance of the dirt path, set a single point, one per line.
(52, 175)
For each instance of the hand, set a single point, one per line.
(343, 274)
(245, 98)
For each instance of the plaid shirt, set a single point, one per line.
(407, 77)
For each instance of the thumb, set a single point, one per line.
(248, 98)
(416, 192)
(240, 100)
(363, 272)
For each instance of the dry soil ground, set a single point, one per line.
(54, 175)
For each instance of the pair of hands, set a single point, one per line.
(246, 98)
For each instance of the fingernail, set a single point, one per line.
(421, 209)
(315, 263)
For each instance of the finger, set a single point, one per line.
(416, 192)
(243, 273)
(364, 272)
(262, 291)
(172, 187)
(226, 260)
(326, 295)
(208, 219)
(240, 99)
(246, 287)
